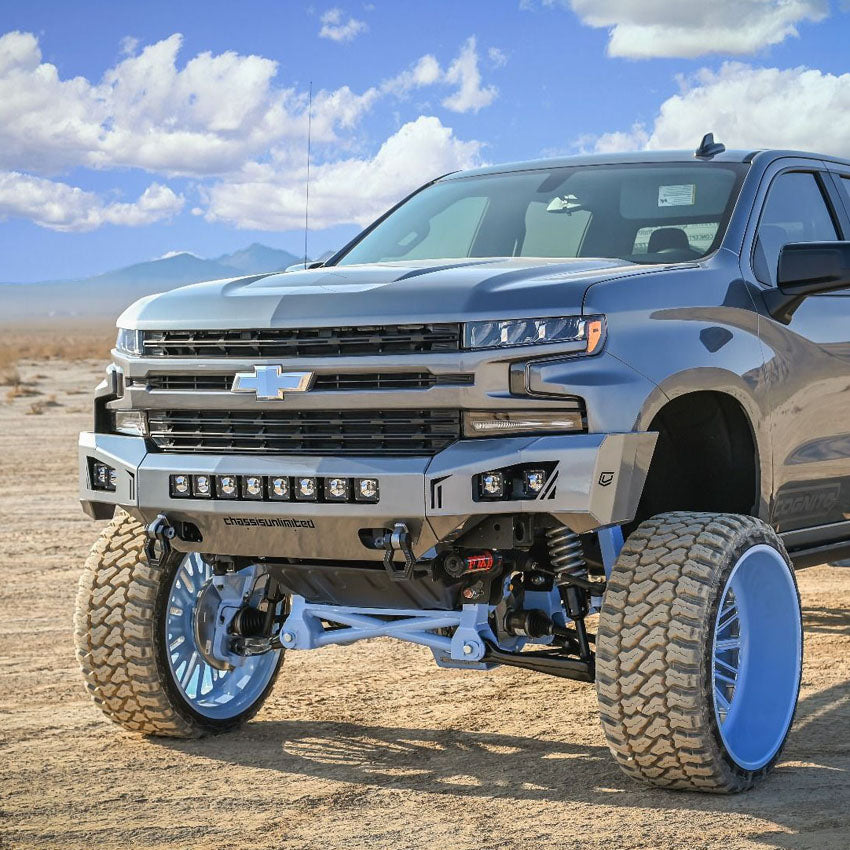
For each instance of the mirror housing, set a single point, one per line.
(807, 268)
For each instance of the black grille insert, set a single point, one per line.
(349, 432)
(304, 342)
(323, 382)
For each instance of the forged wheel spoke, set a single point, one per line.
(727, 644)
(722, 702)
(730, 618)
(190, 669)
(732, 669)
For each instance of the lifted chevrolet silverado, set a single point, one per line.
(526, 396)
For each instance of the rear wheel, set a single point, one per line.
(699, 652)
(138, 643)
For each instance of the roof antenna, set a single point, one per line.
(708, 147)
(307, 200)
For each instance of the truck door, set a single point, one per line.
(807, 362)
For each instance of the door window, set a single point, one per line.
(795, 211)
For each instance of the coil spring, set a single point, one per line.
(249, 622)
(566, 554)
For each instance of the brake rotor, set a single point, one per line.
(207, 607)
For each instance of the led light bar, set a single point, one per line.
(274, 488)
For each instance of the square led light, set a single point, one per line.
(181, 486)
(366, 490)
(252, 487)
(535, 480)
(279, 488)
(103, 476)
(336, 489)
(227, 486)
(306, 489)
(492, 485)
(202, 486)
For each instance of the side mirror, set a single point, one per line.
(807, 268)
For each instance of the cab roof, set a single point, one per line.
(639, 157)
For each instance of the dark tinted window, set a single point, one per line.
(795, 211)
(845, 182)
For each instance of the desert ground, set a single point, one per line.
(369, 746)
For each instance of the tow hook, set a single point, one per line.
(398, 540)
(159, 535)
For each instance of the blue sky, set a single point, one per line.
(128, 130)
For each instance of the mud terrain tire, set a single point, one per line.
(655, 649)
(120, 640)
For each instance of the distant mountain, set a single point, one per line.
(258, 258)
(109, 293)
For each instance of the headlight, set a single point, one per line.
(508, 333)
(129, 342)
(134, 423)
(482, 423)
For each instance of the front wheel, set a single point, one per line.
(699, 653)
(138, 643)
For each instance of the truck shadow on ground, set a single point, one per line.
(490, 765)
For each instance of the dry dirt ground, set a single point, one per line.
(367, 746)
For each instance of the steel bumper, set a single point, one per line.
(598, 482)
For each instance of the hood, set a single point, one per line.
(386, 293)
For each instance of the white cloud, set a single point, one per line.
(58, 206)
(207, 117)
(216, 117)
(498, 58)
(270, 196)
(798, 108)
(641, 29)
(336, 28)
(424, 72)
(464, 72)
(129, 45)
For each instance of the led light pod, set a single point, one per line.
(306, 489)
(252, 487)
(366, 490)
(534, 480)
(227, 487)
(336, 489)
(492, 485)
(279, 488)
(202, 486)
(181, 486)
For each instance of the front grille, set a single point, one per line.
(304, 342)
(324, 382)
(305, 432)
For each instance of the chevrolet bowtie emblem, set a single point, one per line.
(271, 382)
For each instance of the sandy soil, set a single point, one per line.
(366, 746)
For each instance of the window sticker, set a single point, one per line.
(683, 195)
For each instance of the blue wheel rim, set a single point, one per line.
(213, 693)
(756, 657)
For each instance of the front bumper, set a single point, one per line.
(600, 478)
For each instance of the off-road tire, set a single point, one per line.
(120, 640)
(654, 649)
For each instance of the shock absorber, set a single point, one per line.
(566, 554)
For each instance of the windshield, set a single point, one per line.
(640, 213)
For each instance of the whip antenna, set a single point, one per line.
(307, 193)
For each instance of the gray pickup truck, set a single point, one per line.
(581, 416)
